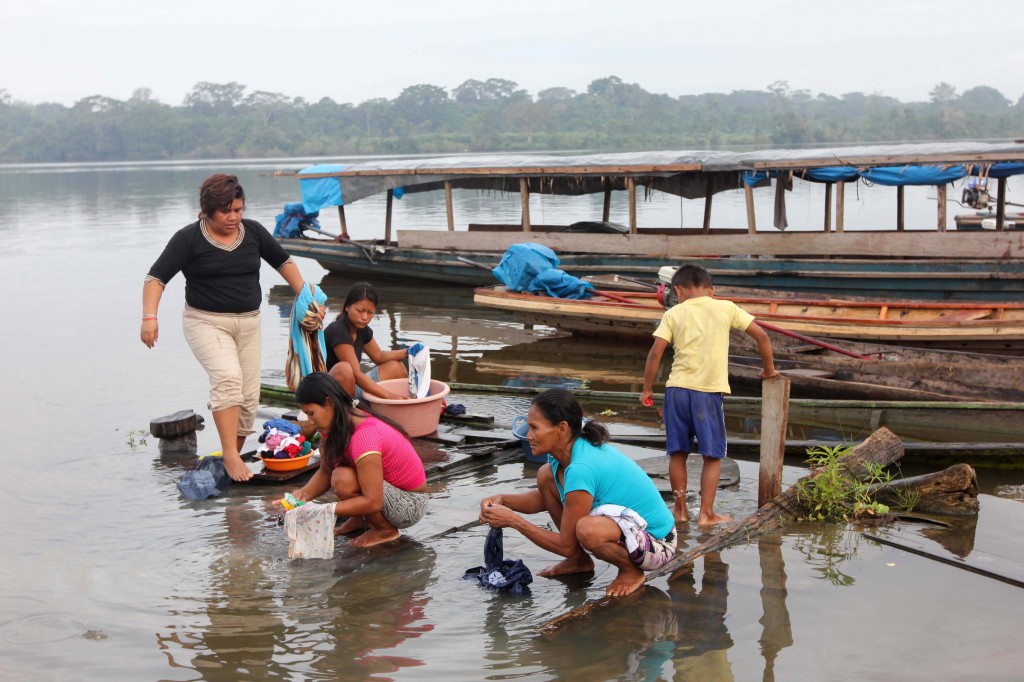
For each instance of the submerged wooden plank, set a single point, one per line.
(982, 563)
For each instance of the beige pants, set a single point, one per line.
(228, 347)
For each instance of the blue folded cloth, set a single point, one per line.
(208, 480)
(281, 425)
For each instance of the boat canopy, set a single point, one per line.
(689, 174)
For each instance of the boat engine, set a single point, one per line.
(976, 193)
(666, 294)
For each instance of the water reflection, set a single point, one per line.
(827, 546)
(776, 630)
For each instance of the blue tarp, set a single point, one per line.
(533, 268)
(1001, 170)
(318, 193)
(897, 176)
(834, 174)
(293, 219)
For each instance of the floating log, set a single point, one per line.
(951, 491)
(882, 447)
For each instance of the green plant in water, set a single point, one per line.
(833, 494)
(136, 438)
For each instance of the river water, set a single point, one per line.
(107, 573)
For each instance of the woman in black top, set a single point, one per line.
(220, 256)
(349, 335)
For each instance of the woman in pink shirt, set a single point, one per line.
(366, 459)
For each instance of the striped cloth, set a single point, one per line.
(306, 343)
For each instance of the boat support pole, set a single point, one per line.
(816, 342)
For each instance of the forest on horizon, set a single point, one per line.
(225, 120)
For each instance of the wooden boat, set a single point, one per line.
(995, 327)
(930, 263)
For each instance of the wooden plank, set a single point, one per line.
(828, 207)
(448, 205)
(840, 206)
(387, 217)
(631, 186)
(900, 196)
(982, 563)
(941, 200)
(639, 169)
(524, 196)
(1001, 205)
(919, 244)
(707, 205)
(774, 422)
(341, 221)
(748, 193)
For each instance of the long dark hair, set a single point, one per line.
(320, 388)
(559, 405)
(360, 291)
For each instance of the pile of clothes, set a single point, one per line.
(282, 439)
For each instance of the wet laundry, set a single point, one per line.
(310, 530)
(498, 573)
(207, 480)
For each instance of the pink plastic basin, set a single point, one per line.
(418, 416)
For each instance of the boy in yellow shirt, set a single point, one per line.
(698, 330)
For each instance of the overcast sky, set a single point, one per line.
(63, 50)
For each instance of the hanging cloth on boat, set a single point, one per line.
(318, 193)
(310, 530)
(499, 573)
(782, 183)
(306, 344)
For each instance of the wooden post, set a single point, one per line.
(942, 208)
(707, 204)
(631, 185)
(828, 206)
(607, 212)
(341, 219)
(748, 193)
(899, 208)
(840, 205)
(524, 194)
(448, 205)
(387, 218)
(1001, 205)
(774, 420)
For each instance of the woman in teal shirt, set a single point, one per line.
(600, 500)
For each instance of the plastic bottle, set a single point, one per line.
(290, 502)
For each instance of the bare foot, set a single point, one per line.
(374, 537)
(573, 564)
(236, 468)
(626, 582)
(713, 519)
(679, 511)
(351, 525)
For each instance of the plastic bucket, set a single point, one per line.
(418, 416)
(520, 429)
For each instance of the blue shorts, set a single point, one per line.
(694, 414)
(373, 374)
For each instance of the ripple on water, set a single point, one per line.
(40, 628)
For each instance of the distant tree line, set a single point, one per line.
(223, 120)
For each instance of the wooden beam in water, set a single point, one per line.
(774, 422)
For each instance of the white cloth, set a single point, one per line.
(419, 371)
(310, 530)
(629, 521)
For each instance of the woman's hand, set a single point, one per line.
(497, 515)
(393, 396)
(149, 333)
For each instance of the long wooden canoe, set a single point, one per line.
(995, 327)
